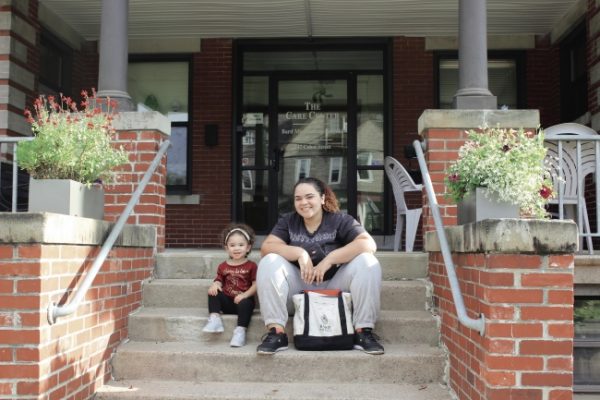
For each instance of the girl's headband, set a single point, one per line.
(240, 230)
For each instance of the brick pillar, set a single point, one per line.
(444, 131)
(43, 258)
(519, 275)
(142, 135)
(19, 63)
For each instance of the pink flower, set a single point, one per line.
(545, 192)
(454, 178)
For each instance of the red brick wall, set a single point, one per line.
(70, 359)
(30, 63)
(413, 89)
(200, 225)
(542, 77)
(142, 146)
(85, 68)
(527, 300)
(413, 92)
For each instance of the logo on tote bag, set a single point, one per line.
(325, 324)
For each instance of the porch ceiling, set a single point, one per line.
(304, 18)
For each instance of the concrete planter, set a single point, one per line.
(63, 196)
(475, 206)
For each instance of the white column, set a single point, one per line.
(112, 76)
(473, 92)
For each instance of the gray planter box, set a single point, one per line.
(475, 207)
(63, 196)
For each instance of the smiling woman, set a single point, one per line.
(318, 247)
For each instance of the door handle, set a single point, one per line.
(275, 158)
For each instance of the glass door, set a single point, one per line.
(325, 125)
(310, 137)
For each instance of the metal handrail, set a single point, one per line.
(55, 311)
(477, 324)
(15, 142)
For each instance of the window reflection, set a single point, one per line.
(586, 316)
(163, 86)
(502, 82)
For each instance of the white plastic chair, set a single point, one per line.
(401, 183)
(570, 188)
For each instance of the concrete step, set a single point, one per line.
(175, 390)
(185, 324)
(406, 364)
(188, 264)
(176, 293)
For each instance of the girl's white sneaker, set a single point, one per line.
(214, 325)
(239, 337)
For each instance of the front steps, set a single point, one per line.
(169, 357)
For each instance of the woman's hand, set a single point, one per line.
(307, 271)
(320, 270)
(215, 288)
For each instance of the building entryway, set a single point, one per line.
(309, 114)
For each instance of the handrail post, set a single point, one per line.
(15, 179)
(477, 324)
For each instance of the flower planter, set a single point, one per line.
(64, 196)
(475, 206)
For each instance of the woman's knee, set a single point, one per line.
(272, 272)
(270, 263)
(366, 262)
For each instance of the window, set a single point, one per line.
(504, 75)
(302, 168)
(573, 75)
(365, 175)
(163, 85)
(247, 180)
(56, 60)
(335, 170)
(586, 366)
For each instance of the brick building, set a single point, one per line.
(259, 96)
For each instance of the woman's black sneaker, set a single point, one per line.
(366, 341)
(273, 342)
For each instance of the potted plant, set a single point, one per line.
(71, 151)
(503, 168)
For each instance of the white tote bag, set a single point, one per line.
(323, 320)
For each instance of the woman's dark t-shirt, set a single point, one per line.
(336, 230)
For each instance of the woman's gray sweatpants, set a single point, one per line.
(278, 280)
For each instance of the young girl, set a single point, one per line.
(233, 290)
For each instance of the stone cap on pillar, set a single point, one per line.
(51, 228)
(535, 236)
(142, 121)
(472, 119)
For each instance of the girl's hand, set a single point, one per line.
(214, 289)
(319, 270)
(238, 298)
(307, 272)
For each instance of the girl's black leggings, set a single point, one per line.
(223, 303)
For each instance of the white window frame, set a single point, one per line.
(335, 163)
(369, 177)
(247, 184)
(302, 167)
